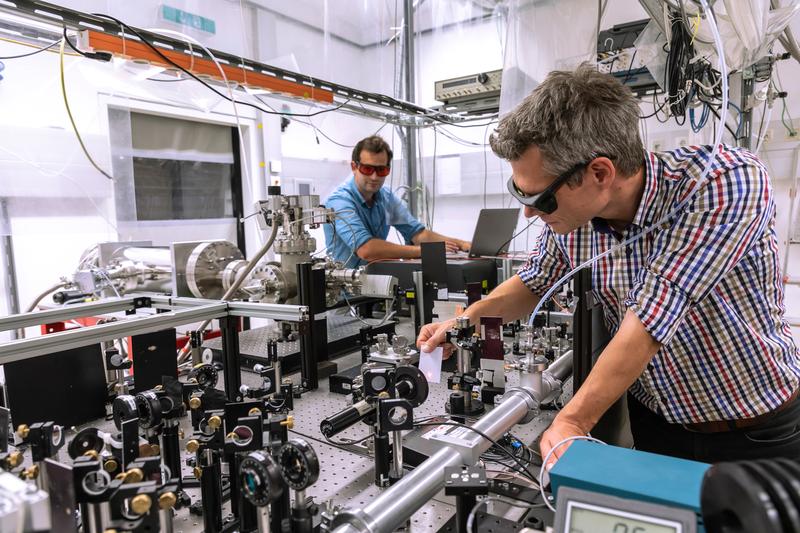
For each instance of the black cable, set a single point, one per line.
(123, 26)
(733, 133)
(155, 49)
(517, 234)
(102, 56)
(657, 111)
(38, 50)
(630, 67)
(524, 469)
(678, 69)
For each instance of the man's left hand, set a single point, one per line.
(560, 429)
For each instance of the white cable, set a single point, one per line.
(546, 458)
(110, 283)
(723, 68)
(763, 136)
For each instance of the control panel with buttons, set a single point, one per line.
(466, 87)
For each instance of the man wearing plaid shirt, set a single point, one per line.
(696, 306)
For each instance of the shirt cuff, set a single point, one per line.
(532, 280)
(361, 239)
(415, 229)
(660, 305)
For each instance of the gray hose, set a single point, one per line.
(21, 332)
(236, 284)
(43, 294)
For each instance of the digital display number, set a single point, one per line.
(584, 518)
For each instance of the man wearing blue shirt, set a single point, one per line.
(365, 210)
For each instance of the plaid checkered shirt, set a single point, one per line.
(707, 286)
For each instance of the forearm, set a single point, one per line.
(510, 300)
(623, 360)
(427, 235)
(375, 249)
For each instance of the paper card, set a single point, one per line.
(430, 363)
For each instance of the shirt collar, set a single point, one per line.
(353, 189)
(647, 205)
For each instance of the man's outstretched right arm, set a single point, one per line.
(510, 300)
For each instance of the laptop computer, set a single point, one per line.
(493, 232)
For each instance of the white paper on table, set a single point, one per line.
(430, 363)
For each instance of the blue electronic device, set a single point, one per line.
(601, 488)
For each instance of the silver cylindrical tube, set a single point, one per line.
(42, 482)
(532, 380)
(463, 361)
(97, 516)
(148, 255)
(397, 454)
(561, 367)
(404, 498)
(165, 517)
(263, 519)
(300, 499)
(278, 376)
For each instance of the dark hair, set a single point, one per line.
(374, 144)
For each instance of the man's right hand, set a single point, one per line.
(435, 334)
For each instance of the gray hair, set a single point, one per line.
(569, 116)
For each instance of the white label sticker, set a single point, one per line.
(430, 364)
(441, 294)
(450, 431)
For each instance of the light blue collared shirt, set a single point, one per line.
(357, 222)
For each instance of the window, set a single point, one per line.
(181, 169)
(181, 189)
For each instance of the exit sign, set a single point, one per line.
(179, 16)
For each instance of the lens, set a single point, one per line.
(398, 415)
(242, 435)
(546, 203)
(367, 170)
(378, 383)
(382, 171)
(251, 482)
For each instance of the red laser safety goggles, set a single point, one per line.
(381, 170)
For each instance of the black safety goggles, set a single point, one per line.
(545, 201)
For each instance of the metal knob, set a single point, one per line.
(134, 475)
(192, 446)
(23, 431)
(32, 472)
(111, 465)
(14, 459)
(215, 422)
(255, 411)
(195, 403)
(167, 500)
(289, 422)
(91, 453)
(141, 503)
